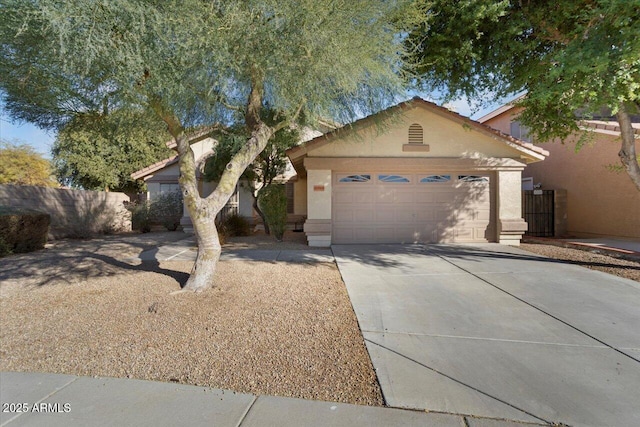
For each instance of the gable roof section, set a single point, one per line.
(500, 110)
(196, 137)
(296, 154)
(142, 173)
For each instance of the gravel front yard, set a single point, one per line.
(284, 329)
(268, 328)
(584, 258)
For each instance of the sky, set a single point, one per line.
(26, 133)
(42, 141)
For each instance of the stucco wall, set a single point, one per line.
(245, 202)
(599, 202)
(300, 197)
(446, 139)
(319, 192)
(72, 211)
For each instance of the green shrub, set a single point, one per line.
(273, 202)
(166, 209)
(236, 225)
(140, 216)
(22, 230)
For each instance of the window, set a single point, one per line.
(436, 178)
(416, 134)
(473, 178)
(519, 131)
(356, 178)
(393, 178)
(169, 188)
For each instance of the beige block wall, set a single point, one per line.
(71, 211)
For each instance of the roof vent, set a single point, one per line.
(416, 134)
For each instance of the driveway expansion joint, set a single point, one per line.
(462, 383)
(10, 420)
(540, 309)
(462, 337)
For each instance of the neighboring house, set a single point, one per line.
(415, 172)
(599, 201)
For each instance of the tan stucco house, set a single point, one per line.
(599, 202)
(415, 172)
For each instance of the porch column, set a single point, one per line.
(317, 227)
(510, 224)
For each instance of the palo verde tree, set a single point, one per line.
(267, 166)
(568, 56)
(201, 66)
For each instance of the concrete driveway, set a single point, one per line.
(498, 332)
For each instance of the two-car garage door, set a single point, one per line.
(407, 208)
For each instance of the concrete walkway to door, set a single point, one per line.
(494, 331)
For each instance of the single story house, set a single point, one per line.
(600, 201)
(415, 172)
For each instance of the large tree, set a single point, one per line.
(267, 166)
(20, 164)
(572, 58)
(201, 66)
(101, 151)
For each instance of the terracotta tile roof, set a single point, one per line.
(607, 126)
(154, 167)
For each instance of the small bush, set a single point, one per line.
(166, 209)
(140, 216)
(22, 230)
(273, 202)
(236, 225)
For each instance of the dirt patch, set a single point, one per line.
(291, 240)
(594, 261)
(268, 328)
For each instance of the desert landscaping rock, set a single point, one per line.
(267, 328)
(585, 258)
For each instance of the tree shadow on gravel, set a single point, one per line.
(73, 262)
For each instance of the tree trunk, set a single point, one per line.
(259, 211)
(627, 154)
(209, 249)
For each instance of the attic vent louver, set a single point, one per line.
(416, 135)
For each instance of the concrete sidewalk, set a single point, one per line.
(64, 400)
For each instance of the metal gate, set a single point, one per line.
(539, 212)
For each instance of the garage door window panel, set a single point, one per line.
(394, 179)
(435, 179)
(359, 178)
